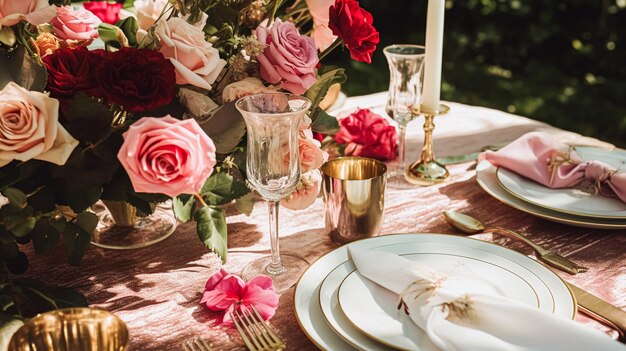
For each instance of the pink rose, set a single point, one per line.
(196, 61)
(245, 87)
(321, 34)
(30, 128)
(311, 155)
(289, 58)
(73, 24)
(367, 134)
(306, 191)
(148, 11)
(226, 292)
(167, 156)
(33, 11)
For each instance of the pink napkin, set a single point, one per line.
(538, 156)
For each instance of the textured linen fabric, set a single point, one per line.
(156, 290)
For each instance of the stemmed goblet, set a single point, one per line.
(406, 62)
(273, 169)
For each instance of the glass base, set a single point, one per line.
(294, 267)
(146, 231)
(396, 179)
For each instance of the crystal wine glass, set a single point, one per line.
(405, 96)
(273, 169)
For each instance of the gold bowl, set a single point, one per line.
(72, 329)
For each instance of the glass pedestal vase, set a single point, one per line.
(120, 228)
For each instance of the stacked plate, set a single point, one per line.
(338, 309)
(570, 206)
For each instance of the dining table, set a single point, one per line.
(156, 290)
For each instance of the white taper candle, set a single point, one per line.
(434, 51)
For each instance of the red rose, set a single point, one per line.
(105, 11)
(71, 71)
(354, 26)
(367, 134)
(137, 79)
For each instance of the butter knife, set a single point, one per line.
(600, 310)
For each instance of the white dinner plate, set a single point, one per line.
(360, 299)
(486, 177)
(569, 200)
(307, 292)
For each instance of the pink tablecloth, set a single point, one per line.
(156, 290)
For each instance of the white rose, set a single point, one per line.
(245, 87)
(196, 61)
(30, 128)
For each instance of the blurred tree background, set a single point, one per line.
(562, 62)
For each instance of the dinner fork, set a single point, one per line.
(196, 344)
(256, 334)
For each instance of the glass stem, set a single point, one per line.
(276, 266)
(402, 149)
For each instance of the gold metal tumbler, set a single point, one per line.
(354, 197)
(72, 329)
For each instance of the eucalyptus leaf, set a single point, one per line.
(317, 91)
(76, 241)
(16, 197)
(221, 188)
(87, 119)
(324, 123)
(17, 264)
(245, 204)
(129, 27)
(183, 206)
(110, 35)
(44, 237)
(226, 128)
(211, 227)
(19, 67)
(20, 224)
(80, 199)
(42, 298)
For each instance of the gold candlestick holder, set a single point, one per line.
(426, 171)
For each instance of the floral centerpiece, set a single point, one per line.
(136, 106)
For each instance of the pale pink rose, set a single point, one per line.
(311, 154)
(227, 293)
(321, 34)
(196, 61)
(148, 11)
(30, 128)
(306, 191)
(33, 11)
(167, 156)
(289, 58)
(80, 24)
(245, 87)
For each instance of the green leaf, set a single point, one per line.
(86, 119)
(44, 237)
(19, 67)
(245, 204)
(80, 199)
(87, 221)
(43, 298)
(183, 206)
(317, 91)
(226, 128)
(21, 223)
(211, 227)
(109, 34)
(222, 188)
(16, 197)
(17, 264)
(129, 27)
(324, 123)
(8, 246)
(9, 324)
(77, 236)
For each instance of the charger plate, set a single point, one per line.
(569, 200)
(487, 179)
(307, 293)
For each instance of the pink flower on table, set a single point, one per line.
(367, 134)
(30, 128)
(227, 293)
(196, 61)
(167, 156)
(306, 191)
(321, 34)
(70, 24)
(311, 155)
(148, 11)
(289, 58)
(33, 11)
(107, 12)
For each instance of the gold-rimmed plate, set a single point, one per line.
(568, 200)
(309, 310)
(486, 178)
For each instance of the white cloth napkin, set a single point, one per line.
(459, 314)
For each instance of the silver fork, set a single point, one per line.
(196, 344)
(256, 334)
